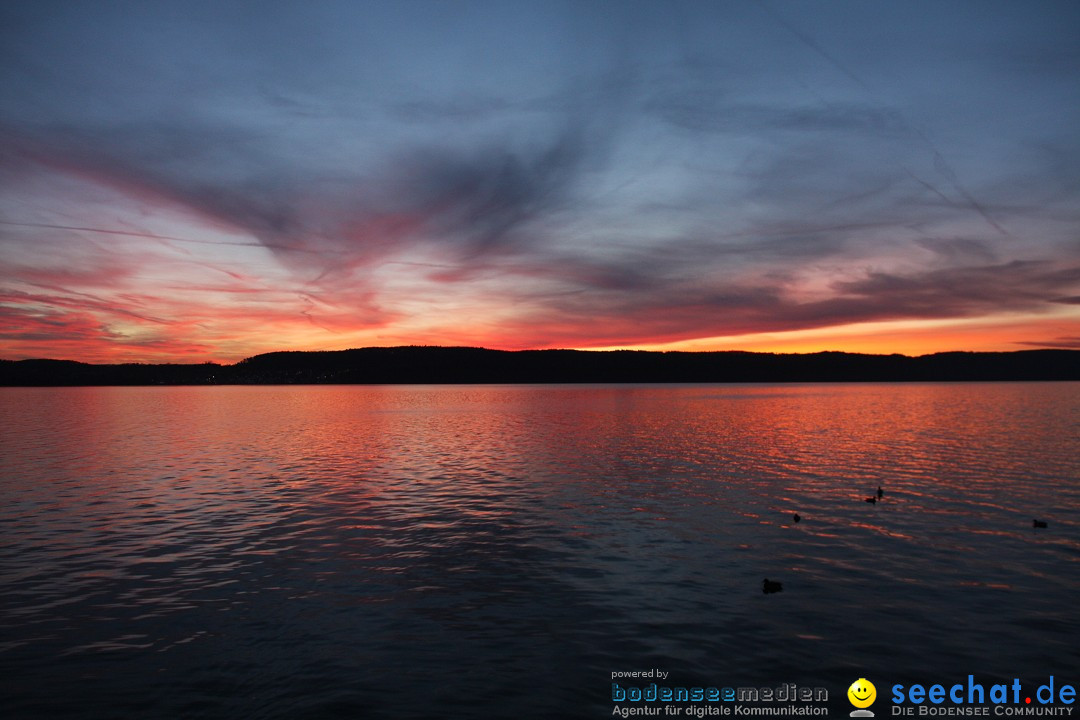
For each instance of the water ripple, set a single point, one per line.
(382, 552)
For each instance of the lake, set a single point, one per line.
(500, 551)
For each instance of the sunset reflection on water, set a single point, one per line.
(282, 551)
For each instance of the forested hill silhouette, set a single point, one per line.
(476, 365)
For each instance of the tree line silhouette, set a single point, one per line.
(449, 365)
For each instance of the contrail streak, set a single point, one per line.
(128, 233)
(154, 236)
(940, 164)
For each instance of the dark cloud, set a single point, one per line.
(733, 308)
(1061, 343)
(225, 173)
(958, 250)
(323, 211)
(483, 199)
(964, 291)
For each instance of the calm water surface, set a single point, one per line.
(499, 551)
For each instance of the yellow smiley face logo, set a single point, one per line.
(862, 693)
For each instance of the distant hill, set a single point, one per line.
(399, 365)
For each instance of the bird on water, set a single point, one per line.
(871, 499)
(1038, 523)
(880, 492)
(771, 586)
(797, 518)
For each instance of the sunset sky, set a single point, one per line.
(191, 181)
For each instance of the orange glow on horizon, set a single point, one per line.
(913, 338)
(275, 334)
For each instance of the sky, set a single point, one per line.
(204, 181)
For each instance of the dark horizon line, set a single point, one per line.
(540, 350)
(433, 364)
